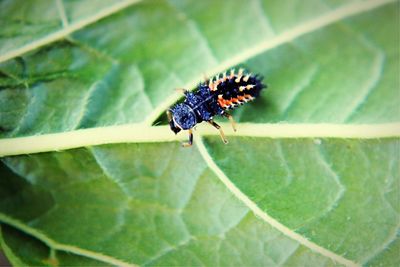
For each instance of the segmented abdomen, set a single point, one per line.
(235, 89)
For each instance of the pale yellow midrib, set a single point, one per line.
(141, 133)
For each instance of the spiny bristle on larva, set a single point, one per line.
(211, 85)
(235, 88)
(232, 73)
(247, 87)
(212, 98)
(239, 76)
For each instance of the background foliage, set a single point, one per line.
(67, 65)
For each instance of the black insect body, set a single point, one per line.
(214, 97)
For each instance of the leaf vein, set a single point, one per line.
(61, 34)
(263, 215)
(168, 251)
(371, 82)
(62, 13)
(270, 43)
(141, 133)
(108, 173)
(195, 29)
(298, 89)
(59, 246)
(259, 12)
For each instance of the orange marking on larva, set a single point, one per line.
(241, 98)
(210, 85)
(221, 103)
(247, 96)
(235, 100)
(228, 102)
(225, 103)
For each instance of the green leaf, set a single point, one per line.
(310, 178)
(31, 252)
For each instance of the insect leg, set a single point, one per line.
(229, 116)
(190, 142)
(206, 79)
(169, 115)
(221, 133)
(181, 90)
